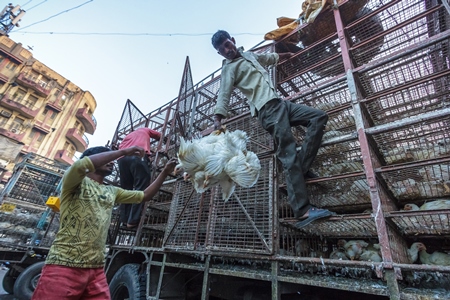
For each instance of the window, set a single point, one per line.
(16, 125)
(32, 134)
(70, 149)
(44, 82)
(19, 95)
(3, 121)
(53, 115)
(33, 75)
(11, 66)
(41, 116)
(31, 101)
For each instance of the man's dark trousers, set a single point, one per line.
(277, 117)
(135, 174)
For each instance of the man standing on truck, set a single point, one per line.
(75, 262)
(135, 172)
(245, 71)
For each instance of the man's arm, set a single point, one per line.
(154, 134)
(151, 190)
(223, 98)
(103, 158)
(284, 56)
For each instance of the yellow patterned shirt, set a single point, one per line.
(86, 208)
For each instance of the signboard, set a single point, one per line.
(7, 207)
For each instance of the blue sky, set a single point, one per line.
(146, 69)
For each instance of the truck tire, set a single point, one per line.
(27, 281)
(127, 283)
(8, 282)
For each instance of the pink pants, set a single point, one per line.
(66, 283)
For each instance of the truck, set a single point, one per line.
(380, 69)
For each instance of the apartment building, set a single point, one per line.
(40, 111)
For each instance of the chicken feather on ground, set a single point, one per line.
(219, 159)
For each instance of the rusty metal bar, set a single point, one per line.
(206, 282)
(408, 121)
(412, 164)
(425, 268)
(370, 173)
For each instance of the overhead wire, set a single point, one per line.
(132, 34)
(51, 17)
(26, 3)
(106, 33)
(35, 5)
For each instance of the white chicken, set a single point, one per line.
(432, 205)
(338, 254)
(436, 258)
(413, 251)
(219, 159)
(353, 248)
(370, 255)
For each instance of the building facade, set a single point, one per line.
(40, 111)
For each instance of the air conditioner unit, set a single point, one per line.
(5, 113)
(13, 130)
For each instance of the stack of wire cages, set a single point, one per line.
(405, 109)
(204, 222)
(25, 219)
(399, 54)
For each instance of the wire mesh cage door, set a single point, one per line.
(242, 224)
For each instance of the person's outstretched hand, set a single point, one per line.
(134, 151)
(170, 165)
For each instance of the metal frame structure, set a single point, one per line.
(30, 224)
(380, 68)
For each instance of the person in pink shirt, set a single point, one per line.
(135, 172)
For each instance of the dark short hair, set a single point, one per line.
(94, 150)
(218, 38)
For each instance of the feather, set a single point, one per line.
(220, 158)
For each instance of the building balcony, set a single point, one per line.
(55, 105)
(13, 134)
(3, 78)
(45, 128)
(19, 107)
(37, 87)
(64, 156)
(80, 141)
(89, 122)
